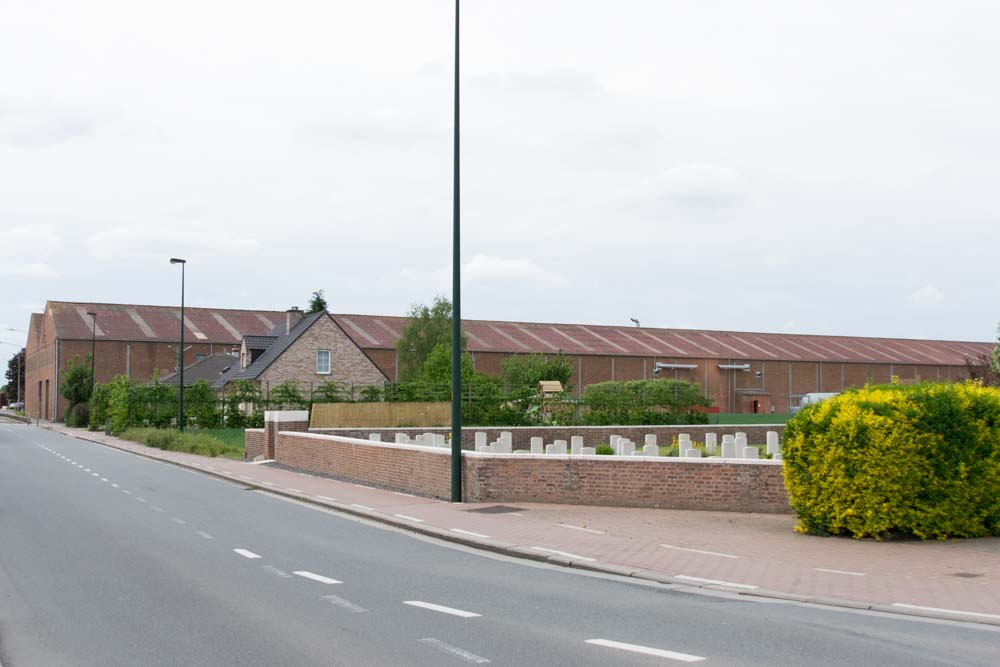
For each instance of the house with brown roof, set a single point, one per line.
(309, 351)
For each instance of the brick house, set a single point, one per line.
(310, 350)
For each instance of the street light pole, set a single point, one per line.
(180, 350)
(456, 306)
(93, 351)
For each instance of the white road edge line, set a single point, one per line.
(178, 520)
(203, 534)
(454, 650)
(586, 530)
(699, 551)
(564, 553)
(326, 498)
(293, 490)
(408, 518)
(469, 532)
(717, 582)
(316, 577)
(946, 611)
(362, 507)
(246, 553)
(635, 648)
(853, 574)
(441, 608)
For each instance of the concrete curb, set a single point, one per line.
(517, 551)
(17, 418)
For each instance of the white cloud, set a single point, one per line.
(564, 82)
(490, 272)
(927, 295)
(39, 238)
(38, 126)
(697, 185)
(159, 243)
(29, 270)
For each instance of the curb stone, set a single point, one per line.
(515, 551)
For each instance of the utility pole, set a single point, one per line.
(180, 350)
(93, 351)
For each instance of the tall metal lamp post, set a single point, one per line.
(180, 350)
(93, 350)
(456, 312)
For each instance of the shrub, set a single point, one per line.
(605, 450)
(98, 407)
(78, 415)
(920, 460)
(201, 407)
(645, 402)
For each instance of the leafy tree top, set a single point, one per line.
(429, 326)
(317, 303)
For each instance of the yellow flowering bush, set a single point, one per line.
(920, 460)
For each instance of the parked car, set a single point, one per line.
(812, 398)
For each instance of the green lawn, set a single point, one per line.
(205, 442)
(740, 418)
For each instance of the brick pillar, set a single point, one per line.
(282, 420)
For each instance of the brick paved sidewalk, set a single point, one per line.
(753, 554)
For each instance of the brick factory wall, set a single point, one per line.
(592, 435)
(753, 486)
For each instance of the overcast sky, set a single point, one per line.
(811, 167)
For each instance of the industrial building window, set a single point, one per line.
(322, 362)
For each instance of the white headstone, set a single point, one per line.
(613, 441)
(750, 453)
(439, 440)
(741, 441)
(728, 448)
(502, 448)
(650, 439)
(576, 444)
(419, 440)
(481, 438)
(537, 445)
(683, 438)
(556, 448)
(402, 439)
(375, 437)
(773, 443)
(650, 450)
(626, 448)
(692, 453)
(480, 448)
(505, 436)
(711, 443)
(588, 451)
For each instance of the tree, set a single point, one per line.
(317, 304)
(11, 374)
(995, 357)
(78, 383)
(428, 327)
(525, 371)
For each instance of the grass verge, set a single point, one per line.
(197, 441)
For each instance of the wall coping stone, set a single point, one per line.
(286, 415)
(254, 430)
(446, 451)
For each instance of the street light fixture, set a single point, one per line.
(93, 351)
(180, 350)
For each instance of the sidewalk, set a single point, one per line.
(749, 554)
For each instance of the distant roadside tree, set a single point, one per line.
(77, 384)
(11, 374)
(986, 367)
(317, 303)
(429, 327)
(525, 371)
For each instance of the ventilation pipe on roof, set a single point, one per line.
(660, 366)
(735, 367)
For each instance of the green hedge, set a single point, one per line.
(920, 460)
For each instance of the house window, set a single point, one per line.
(322, 362)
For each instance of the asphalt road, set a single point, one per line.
(107, 558)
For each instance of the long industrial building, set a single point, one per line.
(739, 371)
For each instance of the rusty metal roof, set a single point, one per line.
(117, 321)
(372, 331)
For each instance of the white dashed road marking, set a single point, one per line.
(563, 553)
(293, 490)
(316, 577)
(442, 609)
(346, 604)
(454, 650)
(246, 553)
(408, 518)
(363, 507)
(327, 498)
(178, 520)
(202, 534)
(699, 551)
(635, 648)
(275, 571)
(156, 508)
